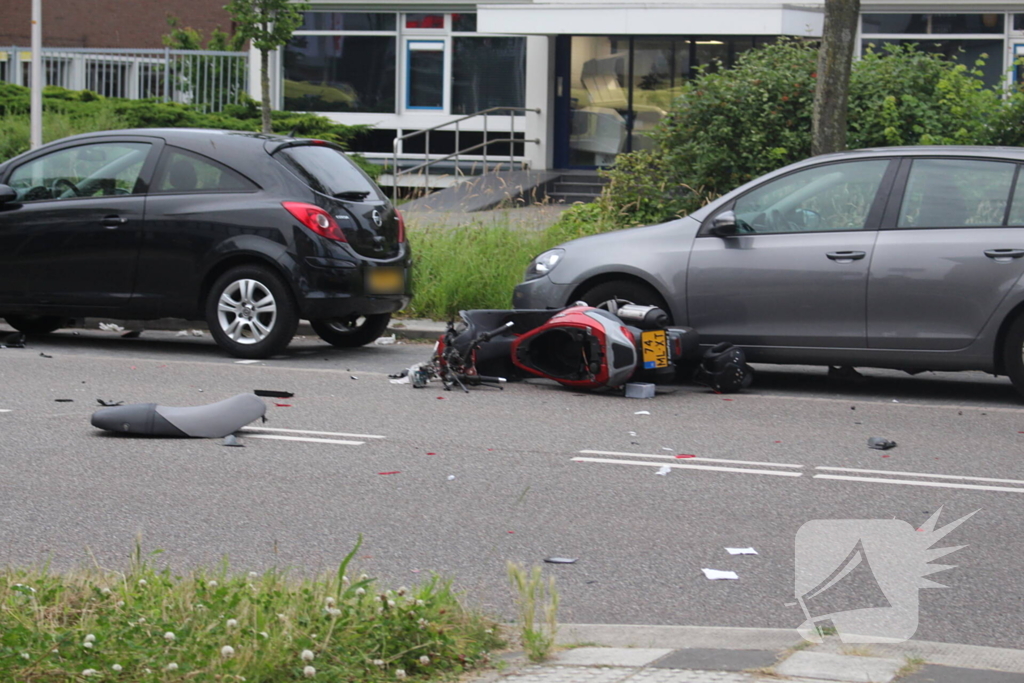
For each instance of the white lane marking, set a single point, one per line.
(711, 468)
(282, 437)
(5, 410)
(307, 431)
(672, 457)
(908, 482)
(921, 474)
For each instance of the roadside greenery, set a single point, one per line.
(150, 625)
(537, 602)
(732, 125)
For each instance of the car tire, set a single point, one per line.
(351, 331)
(251, 312)
(1013, 354)
(628, 290)
(36, 324)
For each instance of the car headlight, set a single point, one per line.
(544, 264)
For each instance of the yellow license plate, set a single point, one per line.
(385, 281)
(655, 349)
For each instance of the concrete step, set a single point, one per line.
(578, 188)
(571, 197)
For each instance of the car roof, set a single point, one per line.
(927, 150)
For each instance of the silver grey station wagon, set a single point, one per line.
(908, 258)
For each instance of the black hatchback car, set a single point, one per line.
(250, 232)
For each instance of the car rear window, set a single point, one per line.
(327, 170)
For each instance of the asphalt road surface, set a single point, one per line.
(539, 471)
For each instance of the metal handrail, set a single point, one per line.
(427, 161)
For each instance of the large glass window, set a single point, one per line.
(956, 193)
(85, 171)
(425, 74)
(964, 51)
(347, 21)
(823, 198)
(340, 73)
(487, 72)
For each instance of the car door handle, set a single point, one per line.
(1004, 253)
(113, 221)
(846, 255)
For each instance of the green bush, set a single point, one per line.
(733, 125)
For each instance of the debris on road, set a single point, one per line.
(560, 560)
(109, 404)
(639, 390)
(282, 405)
(213, 420)
(132, 334)
(451, 477)
(269, 393)
(718, 574)
(13, 341)
(685, 455)
(232, 440)
(642, 412)
(386, 473)
(353, 377)
(741, 551)
(189, 333)
(880, 444)
(246, 362)
(111, 327)
(386, 341)
(45, 355)
(64, 400)
(665, 469)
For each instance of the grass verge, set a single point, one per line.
(211, 625)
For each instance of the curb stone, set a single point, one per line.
(408, 329)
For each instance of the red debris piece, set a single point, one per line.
(511, 532)
(778, 442)
(490, 449)
(133, 367)
(431, 453)
(395, 472)
(685, 455)
(283, 405)
(441, 398)
(885, 456)
(727, 399)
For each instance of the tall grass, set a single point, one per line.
(149, 625)
(14, 128)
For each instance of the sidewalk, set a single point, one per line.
(691, 654)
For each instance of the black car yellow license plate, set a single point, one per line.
(655, 349)
(385, 281)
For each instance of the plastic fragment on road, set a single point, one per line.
(282, 405)
(111, 327)
(880, 444)
(352, 377)
(213, 420)
(741, 551)
(634, 433)
(386, 473)
(232, 440)
(685, 455)
(269, 393)
(189, 333)
(64, 400)
(13, 341)
(639, 390)
(665, 469)
(131, 334)
(451, 477)
(246, 362)
(560, 560)
(719, 574)
(403, 379)
(386, 341)
(45, 355)
(666, 448)
(109, 404)
(642, 412)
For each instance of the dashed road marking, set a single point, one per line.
(306, 439)
(693, 459)
(310, 431)
(678, 466)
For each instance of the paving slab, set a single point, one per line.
(675, 637)
(717, 660)
(847, 668)
(946, 654)
(610, 656)
(931, 673)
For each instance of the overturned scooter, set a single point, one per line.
(580, 346)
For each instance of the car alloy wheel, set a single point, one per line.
(251, 312)
(247, 311)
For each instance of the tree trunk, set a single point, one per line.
(835, 57)
(265, 89)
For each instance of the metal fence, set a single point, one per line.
(207, 79)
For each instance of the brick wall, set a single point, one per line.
(108, 23)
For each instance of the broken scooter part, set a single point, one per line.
(213, 420)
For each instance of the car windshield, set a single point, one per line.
(329, 171)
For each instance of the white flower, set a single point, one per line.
(116, 668)
(253, 575)
(400, 674)
(147, 671)
(309, 672)
(282, 617)
(334, 611)
(379, 662)
(211, 584)
(231, 623)
(87, 645)
(360, 591)
(169, 637)
(391, 603)
(363, 577)
(489, 630)
(345, 580)
(120, 603)
(378, 598)
(307, 655)
(313, 636)
(330, 602)
(90, 638)
(227, 651)
(105, 591)
(402, 590)
(422, 622)
(90, 672)
(171, 667)
(264, 634)
(420, 603)
(142, 620)
(390, 594)
(425, 660)
(142, 583)
(25, 655)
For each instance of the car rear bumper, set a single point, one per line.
(540, 293)
(333, 288)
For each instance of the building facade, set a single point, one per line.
(595, 75)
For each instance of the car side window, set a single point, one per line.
(956, 193)
(183, 172)
(101, 169)
(824, 198)
(1017, 206)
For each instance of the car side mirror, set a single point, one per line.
(724, 225)
(7, 194)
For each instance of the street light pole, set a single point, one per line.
(36, 96)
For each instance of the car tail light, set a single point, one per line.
(316, 219)
(401, 225)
